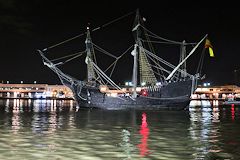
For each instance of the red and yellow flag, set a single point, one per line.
(210, 48)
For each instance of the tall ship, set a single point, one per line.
(155, 83)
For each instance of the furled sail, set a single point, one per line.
(147, 76)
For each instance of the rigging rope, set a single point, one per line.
(105, 76)
(106, 24)
(62, 76)
(113, 68)
(115, 62)
(68, 40)
(104, 51)
(156, 63)
(200, 64)
(165, 62)
(160, 42)
(164, 39)
(95, 29)
(158, 66)
(52, 66)
(68, 56)
(72, 58)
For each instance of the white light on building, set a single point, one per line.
(113, 94)
(128, 83)
(206, 84)
(138, 89)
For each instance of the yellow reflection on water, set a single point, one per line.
(15, 123)
(215, 114)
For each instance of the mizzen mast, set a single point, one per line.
(183, 55)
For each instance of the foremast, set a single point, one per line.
(91, 77)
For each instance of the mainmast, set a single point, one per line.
(90, 51)
(146, 76)
(136, 30)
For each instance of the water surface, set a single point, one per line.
(58, 130)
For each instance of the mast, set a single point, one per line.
(134, 76)
(90, 51)
(183, 61)
(182, 57)
(137, 33)
(146, 76)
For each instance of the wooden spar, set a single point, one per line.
(192, 51)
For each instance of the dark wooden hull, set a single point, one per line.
(173, 96)
(147, 104)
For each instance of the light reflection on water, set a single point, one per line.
(48, 129)
(144, 132)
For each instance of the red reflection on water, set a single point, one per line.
(233, 112)
(144, 131)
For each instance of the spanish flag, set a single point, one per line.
(209, 46)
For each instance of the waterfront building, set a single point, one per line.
(34, 91)
(225, 92)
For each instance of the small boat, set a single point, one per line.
(156, 83)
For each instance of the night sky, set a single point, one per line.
(26, 26)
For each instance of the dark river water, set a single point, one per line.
(58, 130)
